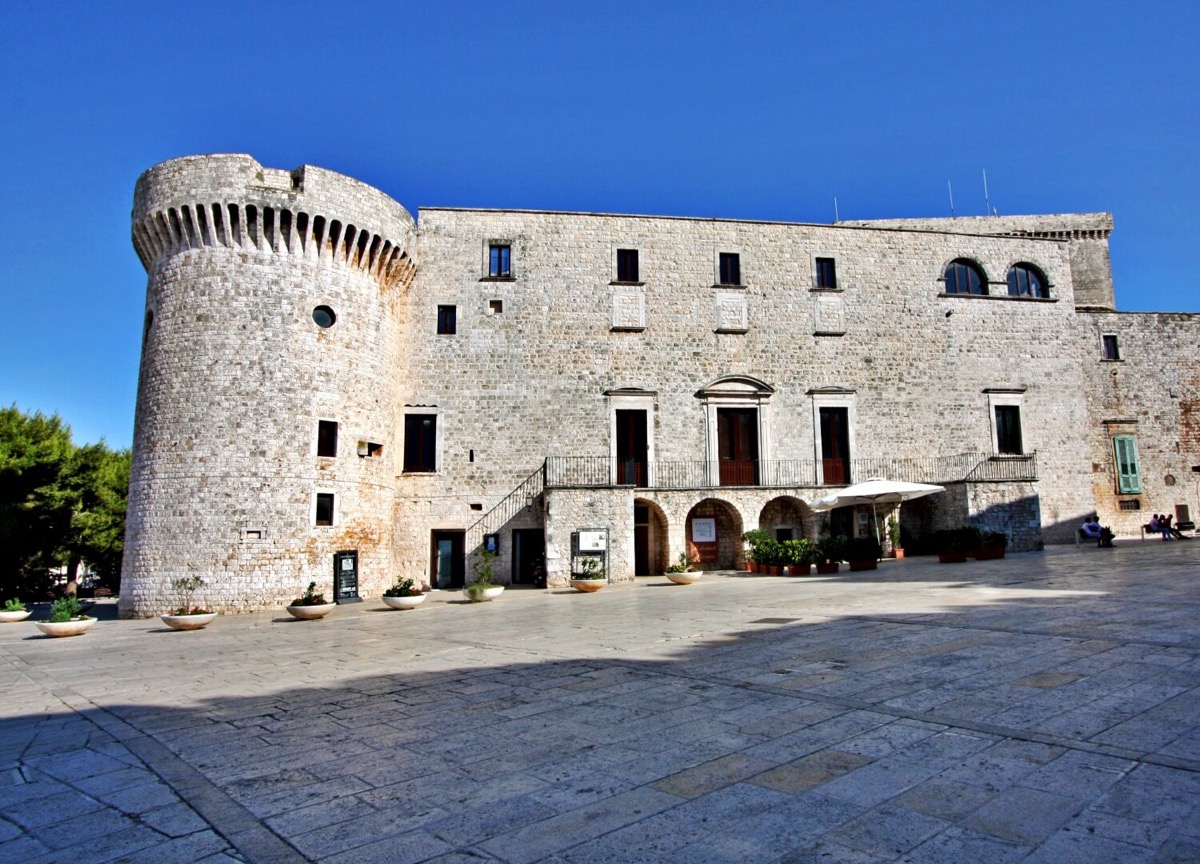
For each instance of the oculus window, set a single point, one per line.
(964, 277)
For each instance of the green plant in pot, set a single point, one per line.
(66, 618)
(863, 553)
(187, 615)
(755, 541)
(831, 550)
(992, 544)
(483, 587)
(893, 529)
(404, 595)
(952, 544)
(310, 605)
(591, 576)
(14, 610)
(799, 555)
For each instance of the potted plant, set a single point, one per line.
(830, 551)
(14, 610)
(590, 577)
(951, 545)
(772, 556)
(893, 527)
(404, 595)
(799, 556)
(188, 616)
(310, 605)
(863, 553)
(483, 588)
(991, 545)
(66, 618)
(754, 540)
(683, 573)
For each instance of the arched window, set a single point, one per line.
(963, 277)
(1025, 280)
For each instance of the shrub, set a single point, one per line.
(407, 588)
(310, 597)
(64, 609)
(799, 553)
(863, 549)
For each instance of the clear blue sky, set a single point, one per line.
(739, 109)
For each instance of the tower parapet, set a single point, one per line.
(272, 338)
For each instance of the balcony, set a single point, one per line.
(599, 471)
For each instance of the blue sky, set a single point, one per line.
(741, 110)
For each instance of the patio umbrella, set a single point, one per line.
(874, 491)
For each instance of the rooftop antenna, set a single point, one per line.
(950, 189)
(987, 204)
(836, 217)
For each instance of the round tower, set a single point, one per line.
(265, 434)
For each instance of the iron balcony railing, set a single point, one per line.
(576, 471)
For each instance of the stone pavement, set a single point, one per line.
(1043, 708)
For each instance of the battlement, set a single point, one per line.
(231, 201)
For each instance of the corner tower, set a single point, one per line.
(265, 433)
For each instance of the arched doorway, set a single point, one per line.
(714, 527)
(651, 555)
(787, 518)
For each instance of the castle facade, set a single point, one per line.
(323, 373)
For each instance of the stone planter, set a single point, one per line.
(412, 601)
(189, 622)
(74, 627)
(14, 617)
(481, 595)
(684, 578)
(588, 586)
(310, 613)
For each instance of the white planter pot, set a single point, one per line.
(683, 578)
(411, 602)
(14, 617)
(189, 622)
(479, 596)
(74, 627)
(588, 585)
(309, 613)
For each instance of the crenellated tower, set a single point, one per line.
(265, 434)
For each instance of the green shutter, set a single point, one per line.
(1129, 480)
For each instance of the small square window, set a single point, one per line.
(731, 268)
(495, 307)
(447, 322)
(327, 434)
(324, 515)
(1112, 350)
(499, 260)
(627, 265)
(826, 274)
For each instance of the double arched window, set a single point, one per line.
(1025, 280)
(964, 277)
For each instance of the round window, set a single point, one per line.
(324, 317)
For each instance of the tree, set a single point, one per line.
(97, 482)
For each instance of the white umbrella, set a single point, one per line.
(874, 491)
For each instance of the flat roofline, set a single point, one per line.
(839, 225)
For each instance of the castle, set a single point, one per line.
(323, 374)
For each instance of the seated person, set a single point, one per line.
(1090, 530)
(1153, 526)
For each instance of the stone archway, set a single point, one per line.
(651, 550)
(724, 551)
(787, 518)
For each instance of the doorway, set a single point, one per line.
(737, 446)
(835, 446)
(447, 562)
(529, 550)
(631, 448)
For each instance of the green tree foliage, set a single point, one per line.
(60, 505)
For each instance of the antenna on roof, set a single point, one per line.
(987, 204)
(836, 217)
(950, 189)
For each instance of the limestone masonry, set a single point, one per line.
(321, 373)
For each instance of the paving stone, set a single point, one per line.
(1022, 816)
(810, 771)
(946, 799)
(711, 776)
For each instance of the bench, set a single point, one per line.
(1181, 527)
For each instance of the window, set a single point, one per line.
(730, 265)
(1129, 504)
(327, 438)
(324, 317)
(826, 274)
(1112, 351)
(1008, 430)
(627, 265)
(495, 307)
(447, 324)
(420, 443)
(1025, 280)
(963, 277)
(1129, 480)
(500, 260)
(324, 511)
(369, 449)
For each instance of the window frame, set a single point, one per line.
(1127, 482)
(1105, 355)
(1028, 270)
(1008, 429)
(429, 460)
(1006, 397)
(967, 265)
(324, 433)
(447, 320)
(733, 257)
(623, 252)
(499, 259)
(318, 497)
(820, 264)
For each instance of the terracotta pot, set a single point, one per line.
(988, 553)
(189, 622)
(826, 569)
(74, 627)
(952, 557)
(410, 602)
(799, 569)
(311, 613)
(14, 617)
(863, 564)
(899, 553)
(588, 586)
(774, 569)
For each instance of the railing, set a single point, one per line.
(574, 471)
(516, 501)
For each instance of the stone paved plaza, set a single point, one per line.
(1043, 708)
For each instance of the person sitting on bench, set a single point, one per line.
(1169, 528)
(1090, 530)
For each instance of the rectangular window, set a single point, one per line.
(1008, 430)
(420, 443)
(324, 508)
(1129, 504)
(447, 320)
(1129, 478)
(731, 268)
(627, 265)
(826, 275)
(500, 260)
(1111, 350)
(327, 438)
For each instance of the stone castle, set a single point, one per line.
(321, 373)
